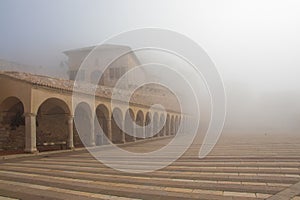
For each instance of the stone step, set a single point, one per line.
(205, 185)
(169, 181)
(198, 164)
(258, 180)
(275, 178)
(251, 170)
(116, 189)
(34, 191)
(205, 160)
(295, 166)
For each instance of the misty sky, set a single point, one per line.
(254, 44)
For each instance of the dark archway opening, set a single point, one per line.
(140, 131)
(52, 125)
(101, 129)
(12, 126)
(83, 125)
(116, 121)
(129, 126)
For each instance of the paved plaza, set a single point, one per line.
(257, 167)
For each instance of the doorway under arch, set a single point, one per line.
(12, 125)
(52, 125)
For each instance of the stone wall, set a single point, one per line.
(51, 128)
(12, 139)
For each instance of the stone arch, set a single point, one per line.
(162, 124)
(129, 125)
(117, 132)
(139, 120)
(155, 124)
(101, 125)
(52, 124)
(60, 101)
(12, 126)
(83, 126)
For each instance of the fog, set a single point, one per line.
(255, 46)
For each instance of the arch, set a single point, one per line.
(12, 132)
(167, 125)
(172, 126)
(83, 126)
(52, 123)
(58, 102)
(101, 125)
(155, 124)
(148, 128)
(117, 132)
(140, 132)
(162, 124)
(129, 126)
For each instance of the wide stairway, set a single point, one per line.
(234, 170)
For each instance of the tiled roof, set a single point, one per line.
(144, 96)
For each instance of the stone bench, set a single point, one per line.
(58, 143)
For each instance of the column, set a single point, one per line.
(145, 131)
(134, 132)
(109, 133)
(70, 132)
(92, 136)
(123, 134)
(30, 133)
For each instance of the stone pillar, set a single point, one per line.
(145, 131)
(70, 132)
(109, 131)
(30, 133)
(150, 129)
(134, 133)
(123, 134)
(155, 129)
(92, 136)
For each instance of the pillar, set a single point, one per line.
(109, 132)
(134, 132)
(70, 132)
(123, 134)
(30, 133)
(92, 134)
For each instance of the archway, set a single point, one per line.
(172, 127)
(83, 134)
(12, 126)
(52, 125)
(117, 133)
(140, 131)
(176, 125)
(155, 125)
(101, 122)
(148, 129)
(167, 125)
(162, 124)
(128, 125)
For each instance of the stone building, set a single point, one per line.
(37, 113)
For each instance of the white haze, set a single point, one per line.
(254, 44)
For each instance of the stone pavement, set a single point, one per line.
(236, 169)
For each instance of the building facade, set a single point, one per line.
(37, 112)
